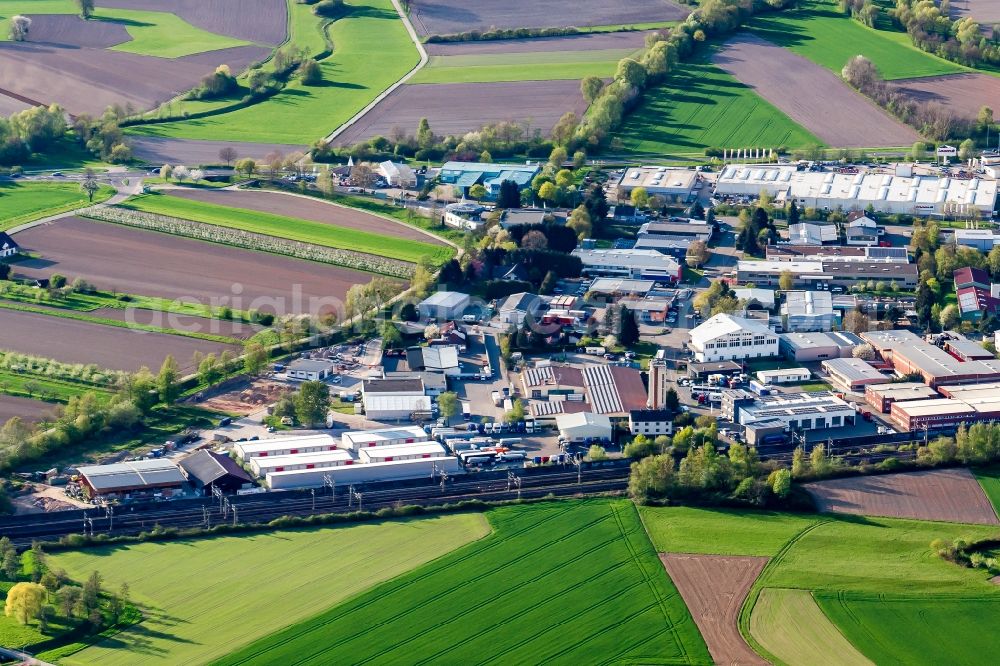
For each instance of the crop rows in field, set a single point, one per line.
(555, 583)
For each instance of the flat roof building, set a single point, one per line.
(355, 440)
(413, 451)
(887, 193)
(881, 396)
(804, 347)
(824, 274)
(316, 460)
(852, 374)
(783, 376)
(583, 427)
(463, 175)
(800, 411)
(762, 297)
(914, 415)
(394, 470)
(789, 252)
(444, 305)
(621, 287)
(284, 446)
(909, 353)
(676, 184)
(638, 264)
(807, 311)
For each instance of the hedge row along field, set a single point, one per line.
(557, 583)
(251, 241)
(291, 228)
(203, 598)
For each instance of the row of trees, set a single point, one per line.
(932, 29)
(33, 130)
(931, 119)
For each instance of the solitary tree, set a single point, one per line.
(448, 404)
(477, 192)
(89, 184)
(166, 171)
(24, 601)
(19, 28)
(640, 197)
(181, 173)
(166, 381)
(312, 402)
(86, 8)
(247, 166)
(227, 155)
(786, 281)
(950, 316)
(629, 333)
(310, 72)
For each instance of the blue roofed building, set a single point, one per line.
(463, 175)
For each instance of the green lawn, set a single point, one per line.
(819, 32)
(542, 66)
(13, 635)
(22, 202)
(989, 479)
(306, 231)
(567, 582)
(153, 33)
(700, 106)
(373, 51)
(721, 531)
(205, 598)
(43, 388)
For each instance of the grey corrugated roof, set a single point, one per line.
(207, 467)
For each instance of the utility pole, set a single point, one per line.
(331, 484)
(234, 516)
(205, 517)
(575, 459)
(110, 512)
(313, 492)
(350, 495)
(358, 495)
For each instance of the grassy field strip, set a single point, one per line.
(44, 388)
(164, 35)
(535, 66)
(207, 597)
(907, 629)
(88, 302)
(555, 583)
(700, 106)
(280, 226)
(817, 30)
(373, 51)
(989, 479)
(70, 314)
(28, 201)
(790, 625)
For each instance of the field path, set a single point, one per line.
(950, 495)
(714, 587)
(122, 192)
(385, 93)
(811, 95)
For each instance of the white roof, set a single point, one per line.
(629, 258)
(446, 299)
(764, 375)
(417, 448)
(282, 443)
(313, 457)
(805, 303)
(794, 267)
(854, 369)
(724, 324)
(809, 233)
(389, 168)
(583, 420)
(397, 403)
(362, 437)
(762, 296)
(440, 357)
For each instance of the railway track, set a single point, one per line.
(260, 509)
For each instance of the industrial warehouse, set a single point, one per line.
(903, 191)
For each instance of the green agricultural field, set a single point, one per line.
(44, 388)
(205, 598)
(907, 630)
(700, 106)
(566, 582)
(821, 33)
(790, 626)
(989, 479)
(153, 33)
(22, 202)
(721, 531)
(306, 231)
(373, 51)
(545, 66)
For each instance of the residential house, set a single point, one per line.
(861, 230)
(8, 248)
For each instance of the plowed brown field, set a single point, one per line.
(28, 409)
(964, 94)
(714, 587)
(951, 495)
(154, 264)
(261, 21)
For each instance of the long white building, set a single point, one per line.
(284, 446)
(887, 193)
(638, 264)
(726, 338)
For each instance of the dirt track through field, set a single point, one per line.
(951, 495)
(596, 41)
(191, 152)
(714, 587)
(261, 21)
(457, 108)
(28, 409)
(306, 209)
(73, 341)
(440, 17)
(153, 264)
(811, 95)
(85, 80)
(74, 31)
(964, 94)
